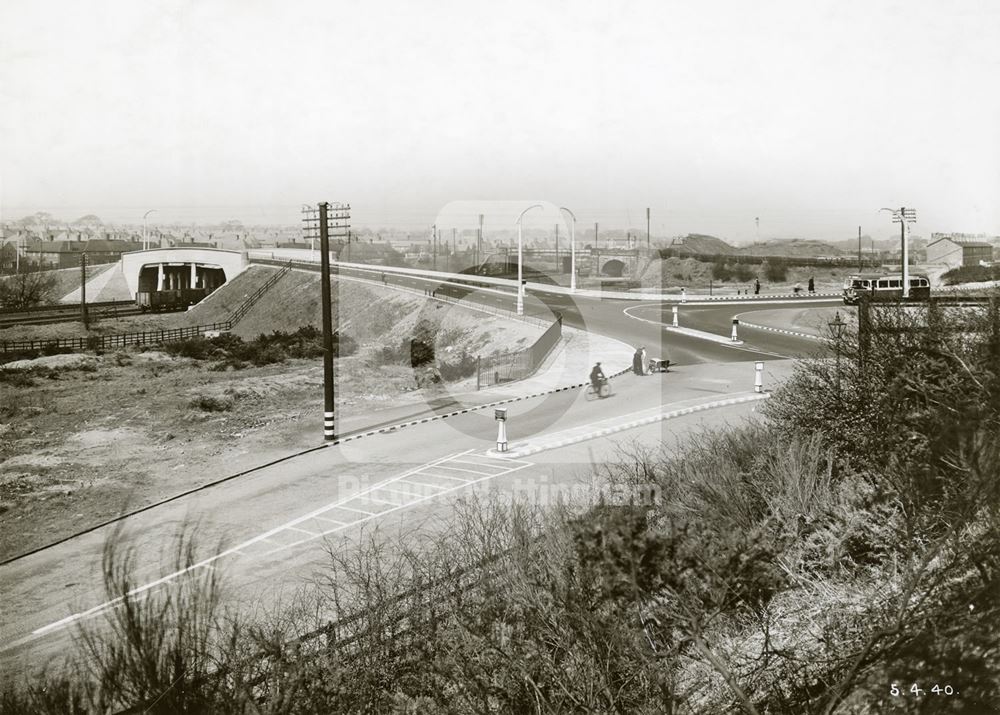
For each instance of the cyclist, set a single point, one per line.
(597, 377)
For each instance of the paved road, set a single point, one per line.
(277, 518)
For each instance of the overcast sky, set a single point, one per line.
(809, 115)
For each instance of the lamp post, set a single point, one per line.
(145, 244)
(837, 326)
(903, 216)
(572, 250)
(520, 280)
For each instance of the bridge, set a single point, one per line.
(180, 268)
(608, 262)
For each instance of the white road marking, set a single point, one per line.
(265, 537)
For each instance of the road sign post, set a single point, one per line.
(500, 415)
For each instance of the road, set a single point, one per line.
(273, 523)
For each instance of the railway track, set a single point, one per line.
(68, 313)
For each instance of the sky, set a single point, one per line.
(807, 115)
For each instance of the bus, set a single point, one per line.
(884, 286)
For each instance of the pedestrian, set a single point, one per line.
(637, 362)
(812, 285)
(797, 289)
(643, 361)
(756, 286)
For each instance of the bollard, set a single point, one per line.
(500, 415)
(758, 376)
(735, 323)
(684, 295)
(675, 316)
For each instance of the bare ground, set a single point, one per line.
(81, 443)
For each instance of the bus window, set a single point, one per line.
(883, 284)
(895, 284)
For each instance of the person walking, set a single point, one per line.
(643, 361)
(756, 286)
(637, 362)
(812, 285)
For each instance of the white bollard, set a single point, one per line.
(500, 415)
(735, 323)
(675, 316)
(758, 376)
(684, 295)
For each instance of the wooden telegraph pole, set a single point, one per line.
(321, 221)
(83, 291)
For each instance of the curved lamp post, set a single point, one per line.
(572, 250)
(520, 280)
(145, 243)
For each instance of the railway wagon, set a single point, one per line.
(160, 300)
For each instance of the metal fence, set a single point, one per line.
(149, 337)
(507, 367)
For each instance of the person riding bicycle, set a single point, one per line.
(597, 377)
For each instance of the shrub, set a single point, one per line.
(207, 403)
(971, 274)
(776, 270)
(456, 369)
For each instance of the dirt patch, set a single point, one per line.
(79, 446)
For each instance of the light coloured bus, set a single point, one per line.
(884, 286)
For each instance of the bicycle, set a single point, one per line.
(603, 390)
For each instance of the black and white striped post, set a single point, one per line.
(736, 322)
(758, 376)
(675, 316)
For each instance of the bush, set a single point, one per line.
(457, 369)
(971, 274)
(231, 351)
(212, 404)
(775, 270)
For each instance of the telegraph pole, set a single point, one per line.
(595, 234)
(339, 221)
(859, 249)
(648, 244)
(479, 242)
(903, 216)
(83, 291)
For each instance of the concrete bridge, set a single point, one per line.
(608, 262)
(179, 268)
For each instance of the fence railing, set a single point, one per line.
(507, 367)
(149, 337)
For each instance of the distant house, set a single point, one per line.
(382, 254)
(66, 253)
(956, 251)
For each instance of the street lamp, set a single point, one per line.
(837, 326)
(520, 280)
(145, 244)
(903, 216)
(572, 250)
